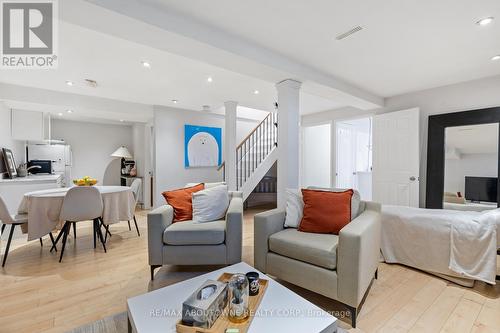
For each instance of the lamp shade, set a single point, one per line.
(122, 152)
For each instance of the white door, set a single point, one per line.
(346, 159)
(316, 170)
(396, 158)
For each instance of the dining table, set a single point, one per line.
(44, 208)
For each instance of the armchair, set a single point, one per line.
(339, 267)
(195, 243)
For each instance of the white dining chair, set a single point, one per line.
(135, 187)
(13, 220)
(81, 204)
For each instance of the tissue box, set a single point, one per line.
(205, 305)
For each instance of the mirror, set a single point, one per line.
(471, 167)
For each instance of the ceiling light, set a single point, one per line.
(60, 114)
(145, 64)
(256, 92)
(495, 58)
(209, 79)
(485, 21)
(175, 101)
(121, 120)
(69, 111)
(70, 83)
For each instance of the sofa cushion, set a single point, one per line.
(195, 233)
(316, 249)
(181, 201)
(325, 212)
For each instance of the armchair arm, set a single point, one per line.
(266, 224)
(158, 220)
(358, 255)
(234, 226)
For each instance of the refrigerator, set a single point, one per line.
(60, 155)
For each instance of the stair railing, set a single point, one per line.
(255, 148)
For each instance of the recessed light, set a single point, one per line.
(146, 64)
(69, 111)
(495, 58)
(209, 79)
(60, 114)
(485, 21)
(175, 101)
(70, 83)
(121, 120)
(256, 92)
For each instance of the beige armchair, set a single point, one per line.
(195, 243)
(339, 267)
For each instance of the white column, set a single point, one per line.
(230, 144)
(288, 138)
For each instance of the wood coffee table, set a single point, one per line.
(281, 309)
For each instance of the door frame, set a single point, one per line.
(436, 148)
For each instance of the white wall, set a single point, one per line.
(475, 165)
(169, 148)
(6, 141)
(92, 146)
(465, 96)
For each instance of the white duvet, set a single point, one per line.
(456, 243)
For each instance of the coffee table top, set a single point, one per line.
(281, 310)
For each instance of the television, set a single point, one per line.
(481, 189)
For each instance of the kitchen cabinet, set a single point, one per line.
(30, 125)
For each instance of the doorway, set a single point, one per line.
(354, 155)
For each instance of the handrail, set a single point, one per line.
(221, 166)
(253, 131)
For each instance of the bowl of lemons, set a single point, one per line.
(85, 181)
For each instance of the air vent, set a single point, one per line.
(349, 33)
(91, 83)
(205, 108)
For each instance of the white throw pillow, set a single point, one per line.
(294, 208)
(210, 204)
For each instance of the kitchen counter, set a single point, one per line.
(32, 179)
(12, 190)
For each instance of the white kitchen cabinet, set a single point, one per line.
(30, 125)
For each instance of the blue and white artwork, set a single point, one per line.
(202, 146)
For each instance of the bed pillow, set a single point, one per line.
(210, 204)
(325, 212)
(294, 208)
(181, 202)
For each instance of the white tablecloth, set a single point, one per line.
(44, 207)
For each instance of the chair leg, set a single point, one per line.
(53, 242)
(8, 244)
(41, 242)
(59, 235)
(129, 228)
(354, 313)
(66, 228)
(136, 227)
(153, 267)
(99, 232)
(95, 233)
(3, 228)
(376, 274)
(74, 230)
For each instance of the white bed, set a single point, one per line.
(459, 245)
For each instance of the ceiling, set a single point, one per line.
(474, 139)
(115, 64)
(405, 45)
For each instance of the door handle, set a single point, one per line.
(413, 178)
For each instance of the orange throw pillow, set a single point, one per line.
(182, 202)
(325, 212)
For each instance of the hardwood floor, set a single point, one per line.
(38, 294)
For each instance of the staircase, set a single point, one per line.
(256, 154)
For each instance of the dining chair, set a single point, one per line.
(135, 187)
(81, 204)
(13, 221)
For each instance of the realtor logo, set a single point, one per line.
(29, 34)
